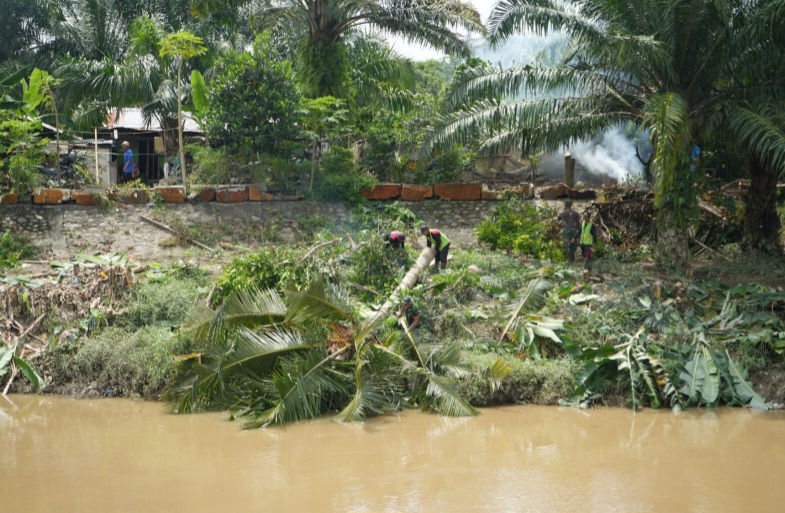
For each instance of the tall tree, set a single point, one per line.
(666, 65)
(324, 24)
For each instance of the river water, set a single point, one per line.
(59, 455)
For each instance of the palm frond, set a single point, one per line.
(313, 303)
(256, 353)
(368, 399)
(762, 131)
(539, 17)
(247, 308)
(442, 395)
(296, 390)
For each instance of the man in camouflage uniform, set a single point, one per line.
(571, 230)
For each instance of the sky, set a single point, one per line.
(421, 53)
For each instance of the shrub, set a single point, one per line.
(248, 91)
(521, 226)
(274, 268)
(339, 179)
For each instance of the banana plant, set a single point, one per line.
(632, 356)
(10, 361)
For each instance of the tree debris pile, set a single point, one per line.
(84, 291)
(627, 217)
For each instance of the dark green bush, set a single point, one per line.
(339, 179)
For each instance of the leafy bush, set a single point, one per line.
(339, 179)
(14, 248)
(446, 166)
(521, 226)
(211, 166)
(385, 217)
(166, 297)
(274, 268)
(250, 89)
(20, 153)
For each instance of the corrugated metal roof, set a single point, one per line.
(133, 119)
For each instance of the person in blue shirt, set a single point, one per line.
(128, 162)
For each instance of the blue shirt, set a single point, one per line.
(129, 159)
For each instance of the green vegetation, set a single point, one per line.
(523, 227)
(13, 248)
(252, 102)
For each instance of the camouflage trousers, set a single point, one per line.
(570, 243)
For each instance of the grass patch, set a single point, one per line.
(529, 382)
(119, 362)
(166, 297)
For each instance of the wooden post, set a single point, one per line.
(569, 169)
(95, 139)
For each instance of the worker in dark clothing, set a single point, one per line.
(396, 240)
(571, 225)
(588, 236)
(439, 241)
(412, 313)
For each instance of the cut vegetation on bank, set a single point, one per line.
(282, 334)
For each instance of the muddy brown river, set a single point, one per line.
(59, 455)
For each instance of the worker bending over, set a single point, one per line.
(439, 241)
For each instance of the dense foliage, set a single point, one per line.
(518, 225)
(253, 101)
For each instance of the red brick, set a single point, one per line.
(254, 193)
(206, 195)
(416, 192)
(171, 194)
(385, 191)
(9, 199)
(458, 191)
(232, 195)
(43, 196)
(83, 198)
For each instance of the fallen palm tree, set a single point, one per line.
(407, 283)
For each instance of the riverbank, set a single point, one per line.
(126, 340)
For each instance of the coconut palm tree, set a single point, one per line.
(678, 68)
(325, 23)
(274, 359)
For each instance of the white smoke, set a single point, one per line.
(612, 155)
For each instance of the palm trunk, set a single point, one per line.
(180, 125)
(408, 283)
(313, 164)
(761, 222)
(673, 251)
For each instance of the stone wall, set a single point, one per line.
(65, 230)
